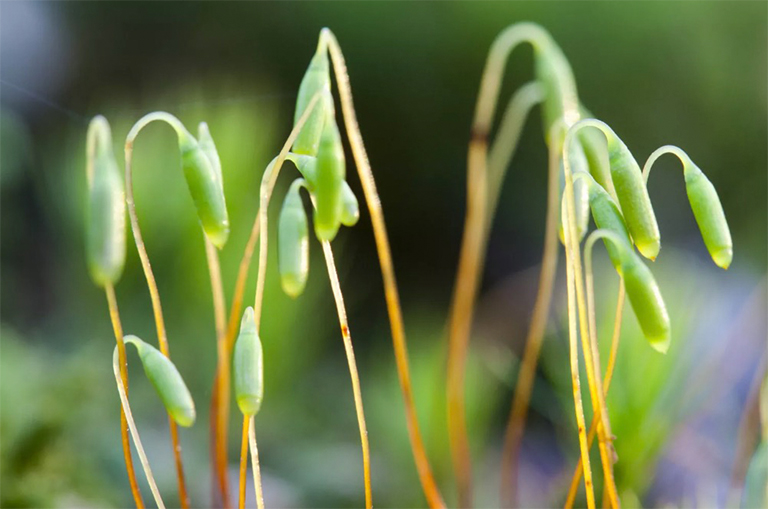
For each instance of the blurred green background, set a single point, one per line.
(687, 73)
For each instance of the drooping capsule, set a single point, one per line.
(645, 298)
(209, 149)
(316, 79)
(167, 381)
(607, 216)
(247, 366)
(709, 215)
(105, 233)
(597, 157)
(350, 209)
(293, 242)
(205, 186)
(633, 197)
(329, 177)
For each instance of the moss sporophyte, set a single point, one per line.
(590, 169)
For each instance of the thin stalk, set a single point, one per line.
(428, 484)
(609, 483)
(521, 399)
(243, 461)
(595, 383)
(220, 423)
(606, 383)
(255, 465)
(666, 149)
(465, 291)
(134, 431)
(220, 403)
(345, 335)
(152, 285)
(114, 315)
(573, 348)
(268, 180)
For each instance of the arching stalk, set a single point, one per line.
(345, 334)
(470, 258)
(431, 491)
(151, 282)
(114, 315)
(572, 490)
(134, 431)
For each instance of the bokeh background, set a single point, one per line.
(687, 73)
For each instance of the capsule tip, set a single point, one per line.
(723, 257)
(185, 417)
(649, 248)
(293, 286)
(660, 343)
(249, 405)
(326, 232)
(219, 235)
(249, 319)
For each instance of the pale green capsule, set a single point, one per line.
(204, 182)
(105, 233)
(209, 149)
(350, 209)
(607, 216)
(293, 242)
(597, 156)
(633, 197)
(316, 79)
(247, 366)
(167, 382)
(646, 300)
(579, 165)
(329, 177)
(709, 215)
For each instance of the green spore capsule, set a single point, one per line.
(247, 366)
(329, 179)
(579, 165)
(209, 149)
(646, 300)
(633, 197)
(316, 79)
(204, 182)
(105, 233)
(709, 215)
(350, 209)
(167, 382)
(293, 242)
(607, 216)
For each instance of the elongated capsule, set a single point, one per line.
(709, 215)
(350, 209)
(105, 234)
(247, 365)
(167, 382)
(580, 192)
(597, 157)
(607, 216)
(293, 242)
(205, 186)
(329, 179)
(633, 197)
(209, 149)
(646, 300)
(316, 79)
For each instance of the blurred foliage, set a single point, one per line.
(688, 73)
